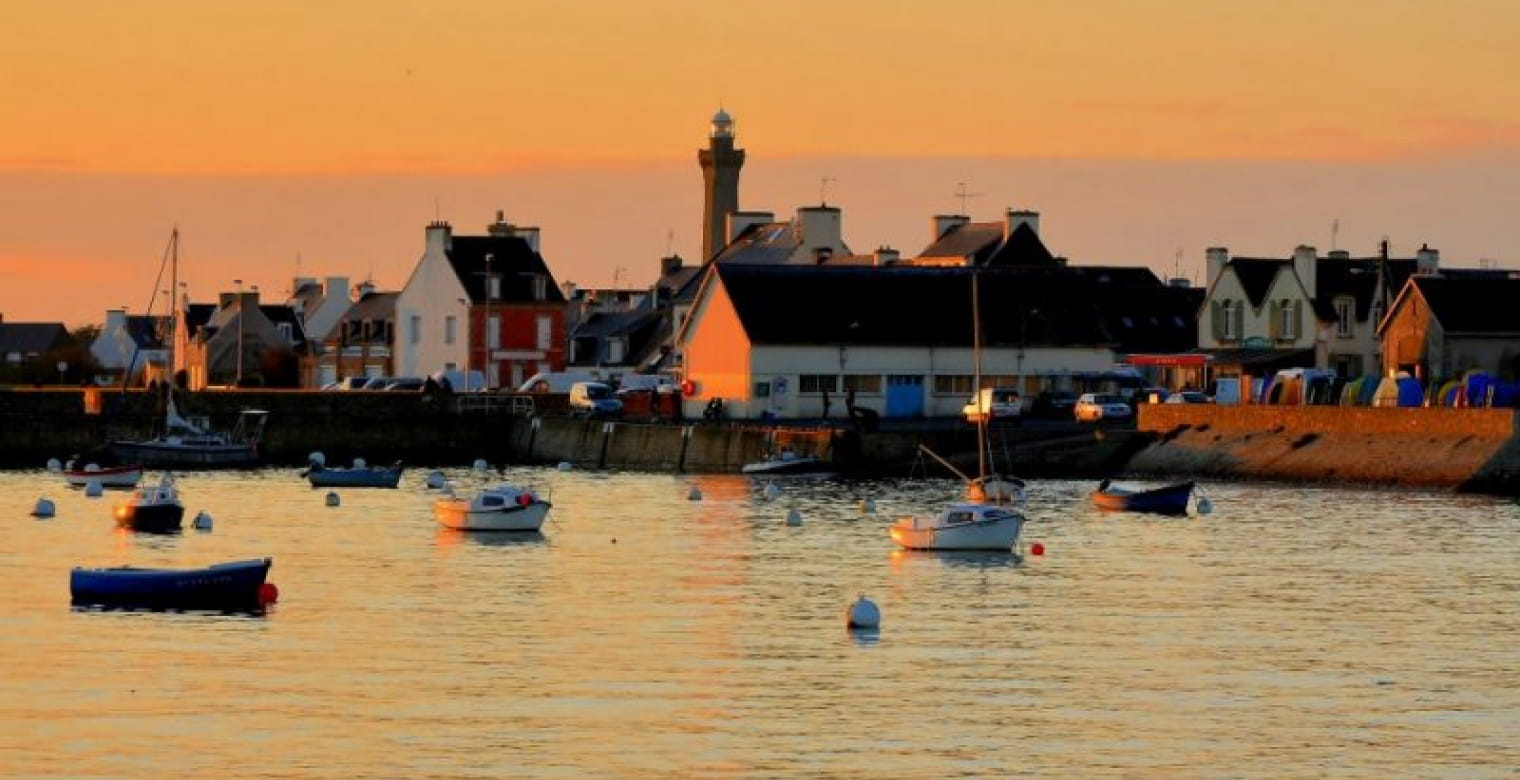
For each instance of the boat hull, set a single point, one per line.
(919, 534)
(117, 477)
(226, 586)
(1169, 500)
(354, 478)
(456, 513)
(182, 456)
(152, 518)
(785, 467)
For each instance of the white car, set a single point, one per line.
(993, 403)
(1093, 407)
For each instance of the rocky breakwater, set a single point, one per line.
(1460, 449)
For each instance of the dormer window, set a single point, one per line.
(1287, 314)
(540, 288)
(493, 287)
(286, 332)
(1227, 317)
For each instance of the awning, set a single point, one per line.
(1186, 360)
(1284, 358)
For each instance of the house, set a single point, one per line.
(618, 330)
(22, 343)
(361, 342)
(242, 342)
(1262, 314)
(1015, 242)
(133, 348)
(777, 340)
(1444, 323)
(320, 304)
(485, 303)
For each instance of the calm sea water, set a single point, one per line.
(1290, 633)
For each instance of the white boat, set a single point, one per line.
(121, 477)
(961, 526)
(786, 462)
(987, 519)
(191, 444)
(496, 508)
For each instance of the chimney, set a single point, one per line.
(115, 319)
(365, 287)
(819, 226)
(1180, 282)
(740, 221)
(1215, 258)
(300, 282)
(1304, 257)
(1427, 261)
(501, 228)
(335, 287)
(940, 224)
(886, 256)
(528, 234)
(1014, 218)
(1340, 255)
(669, 265)
(440, 238)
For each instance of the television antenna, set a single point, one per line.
(960, 192)
(823, 190)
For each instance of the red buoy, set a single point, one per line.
(268, 593)
(524, 499)
(1036, 549)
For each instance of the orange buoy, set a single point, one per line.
(268, 593)
(688, 388)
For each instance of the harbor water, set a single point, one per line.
(1322, 632)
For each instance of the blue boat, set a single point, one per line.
(321, 476)
(238, 585)
(1167, 500)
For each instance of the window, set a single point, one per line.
(952, 384)
(493, 332)
(287, 333)
(450, 325)
(1287, 324)
(540, 287)
(817, 383)
(863, 383)
(1345, 314)
(1227, 326)
(493, 287)
(545, 331)
(762, 390)
(615, 349)
(416, 336)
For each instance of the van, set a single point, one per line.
(994, 403)
(557, 381)
(634, 383)
(593, 399)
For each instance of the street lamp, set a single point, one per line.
(491, 330)
(469, 338)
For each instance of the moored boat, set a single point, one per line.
(356, 477)
(1165, 500)
(120, 477)
(786, 462)
(225, 586)
(961, 526)
(496, 508)
(153, 508)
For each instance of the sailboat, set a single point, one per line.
(987, 518)
(192, 443)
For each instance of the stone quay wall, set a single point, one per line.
(1461, 449)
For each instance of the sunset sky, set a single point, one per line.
(334, 131)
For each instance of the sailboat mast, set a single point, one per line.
(976, 370)
(174, 305)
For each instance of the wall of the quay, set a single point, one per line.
(1465, 449)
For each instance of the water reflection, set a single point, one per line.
(448, 537)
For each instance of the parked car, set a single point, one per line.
(594, 399)
(1095, 407)
(1189, 397)
(993, 403)
(349, 383)
(1054, 404)
(405, 384)
(377, 382)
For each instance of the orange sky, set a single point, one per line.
(145, 106)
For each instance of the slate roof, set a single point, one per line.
(983, 243)
(149, 331)
(1472, 304)
(918, 306)
(1256, 275)
(641, 328)
(30, 338)
(371, 307)
(512, 260)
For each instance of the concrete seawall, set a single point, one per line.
(1460, 449)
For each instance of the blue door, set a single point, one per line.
(905, 395)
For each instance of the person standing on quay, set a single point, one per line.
(825, 402)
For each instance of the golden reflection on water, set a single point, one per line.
(1291, 633)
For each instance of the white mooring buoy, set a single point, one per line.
(332, 498)
(863, 614)
(772, 490)
(44, 508)
(54, 465)
(317, 458)
(482, 465)
(695, 494)
(436, 480)
(360, 463)
(793, 517)
(868, 506)
(566, 465)
(1205, 506)
(93, 488)
(202, 521)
